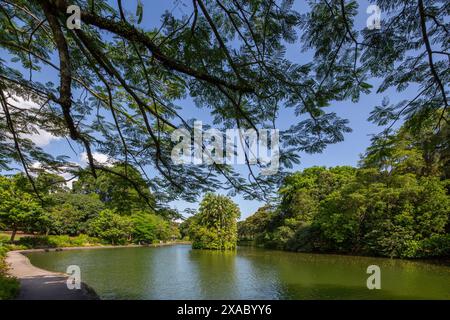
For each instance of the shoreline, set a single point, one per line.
(41, 284)
(444, 260)
(51, 249)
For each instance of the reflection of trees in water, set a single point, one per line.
(178, 272)
(216, 273)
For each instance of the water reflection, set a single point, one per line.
(214, 272)
(178, 272)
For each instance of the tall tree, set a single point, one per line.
(19, 210)
(215, 225)
(121, 187)
(70, 213)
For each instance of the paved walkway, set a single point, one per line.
(40, 284)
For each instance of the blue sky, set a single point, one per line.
(344, 153)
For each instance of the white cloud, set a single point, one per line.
(36, 165)
(98, 156)
(21, 103)
(42, 138)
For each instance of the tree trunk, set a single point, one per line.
(13, 235)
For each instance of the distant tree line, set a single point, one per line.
(108, 208)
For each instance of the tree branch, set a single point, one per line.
(434, 73)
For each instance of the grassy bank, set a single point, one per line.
(9, 287)
(52, 241)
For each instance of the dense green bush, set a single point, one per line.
(396, 204)
(111, 227)
(70, 213)
(73, 212)
(204, 238)
(437, 245)
(9, 287)
(148, 228)
(215, 225)
(57, 241)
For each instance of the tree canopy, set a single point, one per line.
(19, 210)
(124, 195)
(395, 204)
(215, 224)
(108, 210)
(118, 81)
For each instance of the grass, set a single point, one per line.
(5, 236)
(9, 286)
(29, 241)
(57, 241)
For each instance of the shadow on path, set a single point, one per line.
(52, 288)
(40, 284)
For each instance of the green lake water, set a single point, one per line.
(178, 272)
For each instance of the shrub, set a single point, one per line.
(69, 213)
(148, 228)
(111, 227)
(57, 241)
(9, 287)
(436, 246)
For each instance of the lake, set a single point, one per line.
(178, 272)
